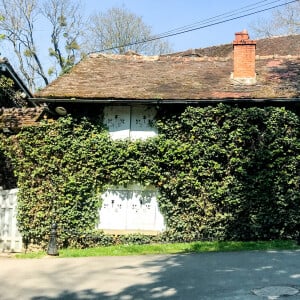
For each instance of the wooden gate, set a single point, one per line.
(10, 238)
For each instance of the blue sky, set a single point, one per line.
(164, 15)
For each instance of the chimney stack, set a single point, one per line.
(244, 59)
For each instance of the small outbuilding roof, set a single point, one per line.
(8, 71)
(15, 118)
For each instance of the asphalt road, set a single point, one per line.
(231, 275)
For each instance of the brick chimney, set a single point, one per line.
(243, 59)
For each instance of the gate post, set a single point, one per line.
(52, 248)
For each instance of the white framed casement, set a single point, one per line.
(134, 122)
(142, 122)
(117, 120)
(130, 210)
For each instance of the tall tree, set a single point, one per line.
(21, 19)
(283, 21)
(33, 27)
(66, 30)
(118, 31)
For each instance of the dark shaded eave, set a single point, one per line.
(163, 101)
(8, 71)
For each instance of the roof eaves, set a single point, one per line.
(164, 101)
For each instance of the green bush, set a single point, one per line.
(223, 173)
(99, 239)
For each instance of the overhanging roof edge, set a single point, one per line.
(16, 78)
(163, 101)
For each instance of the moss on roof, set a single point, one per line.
(193, 74)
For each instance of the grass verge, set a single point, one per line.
(176, 248)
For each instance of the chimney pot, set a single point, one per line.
(241, 36)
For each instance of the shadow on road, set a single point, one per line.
(195, 276)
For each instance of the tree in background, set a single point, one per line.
(118, 31)
(66, 31)
(283, 21)
(19, 24)
(68, 36)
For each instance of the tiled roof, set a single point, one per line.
(281, 45)
(15, 118)
(194, 75)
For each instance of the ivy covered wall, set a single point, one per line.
(222, 172)
(231, 173)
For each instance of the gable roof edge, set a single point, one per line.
(6, 66)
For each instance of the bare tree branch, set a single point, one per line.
(18, 27)
(21, 17)
(284, 21)
(117, 28)
(66, 30)
(68, 36)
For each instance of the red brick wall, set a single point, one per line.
(244, 56)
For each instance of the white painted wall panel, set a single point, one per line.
(142, 120)
(117, 119)
(139, 211)
(113, 210)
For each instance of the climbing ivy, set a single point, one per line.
(222, 172)
(231, 173)
(57, 176)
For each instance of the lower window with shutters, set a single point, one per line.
(130, 210)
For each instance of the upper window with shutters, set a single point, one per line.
(133, 122)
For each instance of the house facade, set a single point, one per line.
(127, 91)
